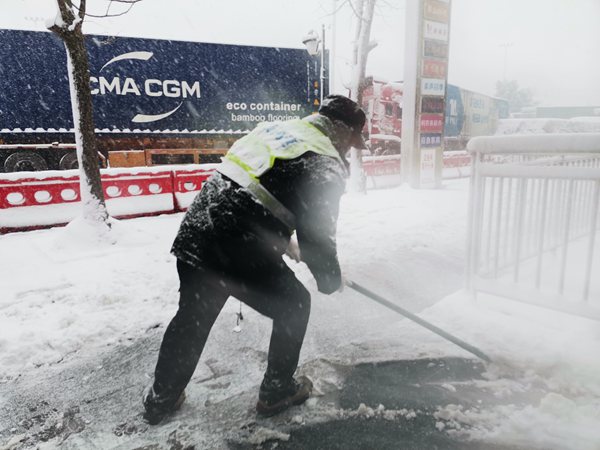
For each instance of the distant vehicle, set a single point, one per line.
(155, 101)
(467, 114)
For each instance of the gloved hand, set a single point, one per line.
(293, 250)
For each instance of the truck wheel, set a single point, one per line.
(68, 161)
(24, 161)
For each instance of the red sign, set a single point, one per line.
(432, 68)
(432, 123)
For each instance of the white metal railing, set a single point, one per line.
(533, 220)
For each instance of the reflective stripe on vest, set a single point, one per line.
(256, 152)
(236, 173)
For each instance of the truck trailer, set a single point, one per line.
(467, 114)
(155, 101)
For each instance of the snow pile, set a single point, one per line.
(557, 423)
(556, 352)
(64, 290)
(262, 435)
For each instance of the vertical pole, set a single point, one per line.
(540, 233)
(410, 151)
(565, 243)
(591, 243)
(507, 234)
(522, 188)
(498, 229)
(322, 73)
(478, 229)
(332, 72)
(490, 226)
(474, 186)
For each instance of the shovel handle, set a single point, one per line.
(373, 296)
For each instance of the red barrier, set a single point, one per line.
(390, 165)
(461, 160)
(57, 190)
(186, 184)
(37, 202)
(133, 185)
(35, 191)
(382, 166)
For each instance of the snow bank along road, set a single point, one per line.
(81, 325)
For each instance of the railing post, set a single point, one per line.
(472, 224)
(591, 242)
(541, 234)
(565, 243)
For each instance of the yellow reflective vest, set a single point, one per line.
(256, 152)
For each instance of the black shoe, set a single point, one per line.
(157, 409)
(275, 398)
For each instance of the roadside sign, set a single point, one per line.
(436, 10)
(435, 30)
(433, 68)
(432, 123)
(431, 140)
(432, 105)
(435, 49)
(433, 86)
(427, 166)
(426, 72)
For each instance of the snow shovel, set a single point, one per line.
(417, 319)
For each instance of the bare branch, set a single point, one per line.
(82, 5)
(390, 4)
(337, 9)
(100, 16)
(353, 8)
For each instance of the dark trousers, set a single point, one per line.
(272, 290)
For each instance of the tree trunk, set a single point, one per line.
(92, 195)
(68, 26)
(362, 46)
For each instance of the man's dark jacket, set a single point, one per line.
(226, 230)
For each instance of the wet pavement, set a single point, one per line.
(410, 392)
(386, 405)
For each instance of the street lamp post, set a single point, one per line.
(315, 45)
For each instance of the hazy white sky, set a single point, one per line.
(553, 45)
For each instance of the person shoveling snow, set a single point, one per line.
(280, 178)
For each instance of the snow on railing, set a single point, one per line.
(533, 220)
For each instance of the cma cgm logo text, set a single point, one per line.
(151, 87)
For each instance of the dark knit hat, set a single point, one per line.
(338, 107)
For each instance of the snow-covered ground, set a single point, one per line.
(68, 307)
